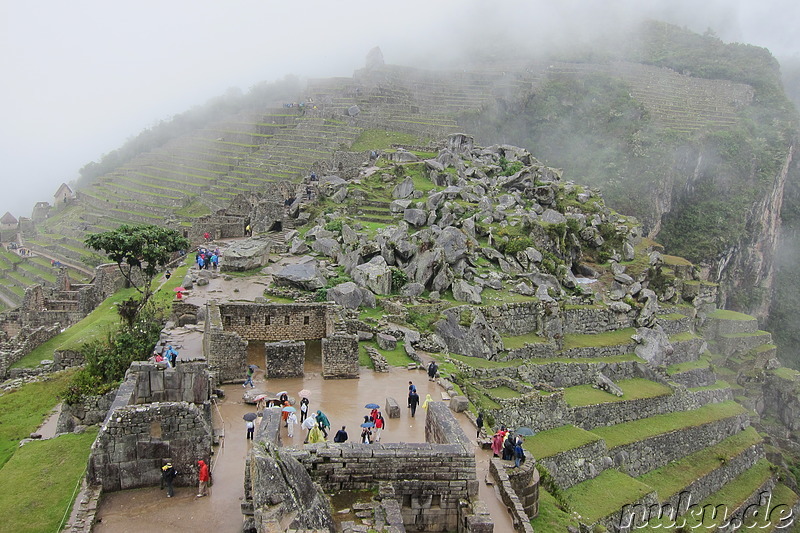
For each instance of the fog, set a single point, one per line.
(81, 77)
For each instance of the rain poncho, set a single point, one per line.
(315, 435)
(428, 400)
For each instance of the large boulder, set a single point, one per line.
(464, 330)
(453, 243)
(304, 275)
(404, 189)
(326, 246)
(348, 295)
(415, 217)
(464, 292)
(247, 255)
(374, 275)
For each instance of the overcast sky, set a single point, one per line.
(81, 77)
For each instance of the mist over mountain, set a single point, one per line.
(79, 84)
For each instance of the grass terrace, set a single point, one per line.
(551, 518)
(702, 362)
(598, 340)
(513, 343)
(637, 430)
(605, 494)
(677, 475)
(396, 357)
(633, 389)
(504, 392)
(723, 314)
(557, 440)
(479, 362)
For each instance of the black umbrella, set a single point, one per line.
(250, 416)
(526, 432)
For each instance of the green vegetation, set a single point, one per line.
(519, 341)
(599, 497)
(396, 357)
(503, 392)
(552, 519)
(37, 485)
(677, 475)
(381, 140)
(556, 440)
(633, 389)
(659, 424)
(24, 409)
(598, 340)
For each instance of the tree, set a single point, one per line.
(140, 251)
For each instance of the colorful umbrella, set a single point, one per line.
(281, 392)
(368, 425)
(305, 393)
(260, 397)
(288, 409)
(179, 289)
(372, 406)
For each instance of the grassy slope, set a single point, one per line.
(37, 485)
(24, 409)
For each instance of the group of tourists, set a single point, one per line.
(169, 473)
(168, 355)
(508, 446)
(205, 258)
(374, 420)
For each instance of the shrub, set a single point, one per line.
(399, 278)
(517, 244)
(334, 225)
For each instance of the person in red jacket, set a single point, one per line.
(204, 477)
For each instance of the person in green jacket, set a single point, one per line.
(323, 423)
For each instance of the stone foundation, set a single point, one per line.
(284, 359)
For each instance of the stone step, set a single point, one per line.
(739, 343)
(705, 471)
(696, 373)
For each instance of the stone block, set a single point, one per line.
(392, 407)
(459, 404)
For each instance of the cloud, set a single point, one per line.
(81, 77)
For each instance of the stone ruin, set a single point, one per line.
(429, 486)
(283, 328)
(45, 311)
(158, 415)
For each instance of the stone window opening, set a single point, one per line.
(267, 320)
(286, 321)
(306, 320)
(436, 500)
(226, 320)
(247, 320)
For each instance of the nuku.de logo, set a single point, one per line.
(693, 516)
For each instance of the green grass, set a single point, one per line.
(37, 485)
(479, 362)
(786, 373)
(97, 323)
(503, 392)
(396, 357)
(702, 362)
(599, 497)
(513, 343)
(724, 314)
(637, 430)
(633, 389)
(719, 384)
(376, 139)
(23, 410)
(556, 440)
(670, 479)
(551, 518)
(611, 338)
(685, 336)
(732, 495)
(583, 360)
(674, 260)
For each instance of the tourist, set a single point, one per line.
(519, 454)
(366, 436)
(214, 261)
(380, 423)
(247, 231)
(412, 389)
(479, 423)
(207, 236)
(309, 424)
(172, 356)
(291, 420)
(201, 263)
(167, 274)
(341, 435)
(168, 475)
(432, 369)
(323, 423)
(508, 448)
(413, 402)
(251, 428)
(285, 413)
(497, 443)
(428, 401)
(373, 415)
(303, 409)
(249, 377)
(204, 477)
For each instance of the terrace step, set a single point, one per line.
(739, 343)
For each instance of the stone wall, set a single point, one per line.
(430, 479)
(218, 226)
(187, 382)
(284, 359)
(340, 356)
(276, 322)
(573, 466)
(225, 351)
(594, 319)
(91, 410)
(642, 456)
(519, 490)
(136, 441)
(24, 343)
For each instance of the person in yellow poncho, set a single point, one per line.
(428, 400)
(315, 435)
